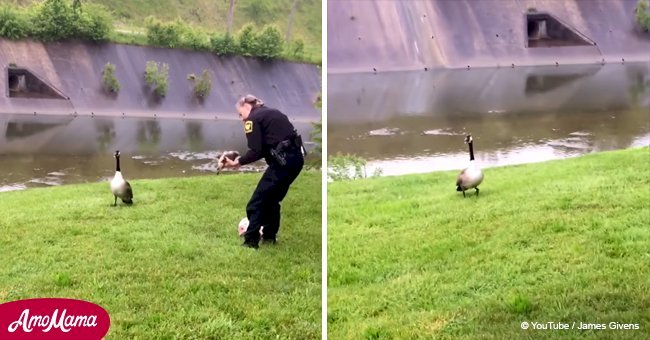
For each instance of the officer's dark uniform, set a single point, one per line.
(266, 128)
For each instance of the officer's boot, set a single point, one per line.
(251, 241)
(251, 244)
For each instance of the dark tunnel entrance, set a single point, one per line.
(24, 84)
(544, 30)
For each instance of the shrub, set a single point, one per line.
(111, 83)
(176, 34)
(223, 45)
(641, 15)
(269, 43)
(13, 23)
(164, 34)
(157, 77)
(346, 167)
(94, 23)
(203, 85)
(247, 40)
(163, 81)
(195, 39)
(151, 73)
(54, 20)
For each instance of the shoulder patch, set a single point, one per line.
(248, 126)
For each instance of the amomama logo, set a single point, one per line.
(53, 318)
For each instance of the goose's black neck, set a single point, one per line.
(117, 163)
(471, 151)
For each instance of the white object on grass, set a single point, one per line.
(243, 226)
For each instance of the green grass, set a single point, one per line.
(211, 16)
(561, 241)
(171, 265)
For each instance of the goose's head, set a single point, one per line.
(468, 139)
(117, 154)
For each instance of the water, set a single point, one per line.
(54, 150)
(414, 122)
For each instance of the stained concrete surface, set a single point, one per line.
(76, 68)
(412, 35)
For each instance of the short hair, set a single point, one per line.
(250, 99)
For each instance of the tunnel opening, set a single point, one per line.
(544, 30)
(25, 84)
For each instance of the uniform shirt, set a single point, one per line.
(265, 128)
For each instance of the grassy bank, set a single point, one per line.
(171, 265)
(562, 241)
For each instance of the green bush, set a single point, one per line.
(269, 43)
(14, 24)
(164, 34)
(111, 83)
(203, 85)
(54, 20)
(94, 23)
(195, 39)
(346, 167)
(175, 34)
(151, 72)
(247, 40)
(157, 77)
(641, 15)
(223, 45)
(163, 81)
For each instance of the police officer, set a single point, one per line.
(271, 136)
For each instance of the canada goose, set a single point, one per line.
(120, 187)
(232, 155)
(471, 176)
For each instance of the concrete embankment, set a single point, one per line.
(74, 69)
(411, 35)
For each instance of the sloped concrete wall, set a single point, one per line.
(75, 69)
(408, 35)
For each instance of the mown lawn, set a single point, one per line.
(171, 265)
(562, 241)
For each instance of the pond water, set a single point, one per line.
(38, 151)
(415, 122)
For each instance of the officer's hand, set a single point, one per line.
(228, 163)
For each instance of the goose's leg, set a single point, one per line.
(463, 193)
(476, 191)
(115, 204)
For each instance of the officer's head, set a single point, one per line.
(247, 103)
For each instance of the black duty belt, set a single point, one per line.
(293, 143)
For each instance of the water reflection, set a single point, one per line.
(194, 135)
(55, 150)
(148, 136)
(415, 121)
(105, 134)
